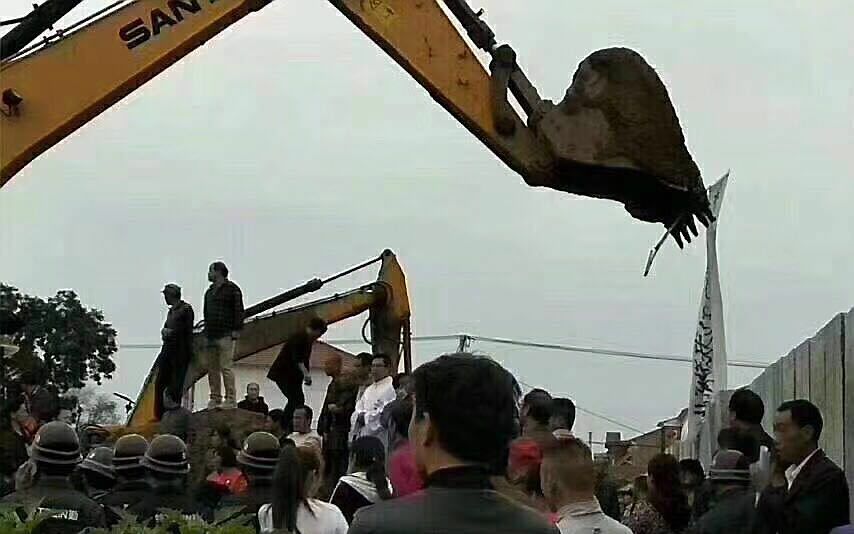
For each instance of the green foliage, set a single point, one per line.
(228, 521)
(10, 523)
(75, 342)
(174, 522)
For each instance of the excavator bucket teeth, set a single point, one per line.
(616, 135)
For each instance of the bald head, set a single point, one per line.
(332, 365)
(567, 472)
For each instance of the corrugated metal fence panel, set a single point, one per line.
(832, 439)
(802, 371)
(848, 407)
(758, 387)
(774, 385)
(818, 350)
(788, 376)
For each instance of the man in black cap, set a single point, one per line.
(56, 452)
(131, 484)
(167, 465)
(733, 509)
(177, 351)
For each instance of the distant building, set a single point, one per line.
(630, 457)
(255, 367)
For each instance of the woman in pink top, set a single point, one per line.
(402, 471)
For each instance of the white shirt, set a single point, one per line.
(327, 518)
(371, 404)
(793, 471)
(309, 439)
(586, 518)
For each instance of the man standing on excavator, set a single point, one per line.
(291, 368)
(223, 323)
(177, 351)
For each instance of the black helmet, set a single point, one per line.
(100, 460)
(260, 450)
(128, 452)
(56, 443)
(167, 454)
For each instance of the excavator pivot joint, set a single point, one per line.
(501, 68)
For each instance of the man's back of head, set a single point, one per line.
(463, 412)
(463, 420)
(746, 408)
(568, 473)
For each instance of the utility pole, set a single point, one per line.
(465, 343)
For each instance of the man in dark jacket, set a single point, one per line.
(457, 436)
(814, 499)
(223, 323)
(56, 452)
(733, 506)
(13, 445)
(253, 402)
(291, 368)
(177, 351)
(41, 400)
(334, 422)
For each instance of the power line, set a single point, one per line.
(610, 352)
(528, 344)
(591, 412)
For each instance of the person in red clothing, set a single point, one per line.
(226, 477)
(402, 471)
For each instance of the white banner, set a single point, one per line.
(710, 361)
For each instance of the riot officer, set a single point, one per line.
(97, 472)
(56, 452)
(257, 459)
(167, 465)
(131, 484)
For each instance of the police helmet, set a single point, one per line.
(167, 454)
(100, 460)
(128, 452)
(56, 443)
(260, 451)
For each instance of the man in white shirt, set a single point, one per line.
(568, 479)
(303, 435)
(367, 417)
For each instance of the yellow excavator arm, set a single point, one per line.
(66, 84)
(615, 135)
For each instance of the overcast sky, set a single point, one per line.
(290, 146)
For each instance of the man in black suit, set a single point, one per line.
(462, 424)
(814, 498)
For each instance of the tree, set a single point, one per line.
(73, 344)
(96, 407)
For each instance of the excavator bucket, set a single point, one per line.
(615, 135)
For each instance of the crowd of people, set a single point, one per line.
(453, 447)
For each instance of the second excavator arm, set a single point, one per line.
(386, 300)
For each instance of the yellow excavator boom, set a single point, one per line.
(615, 135)
(64, 85)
